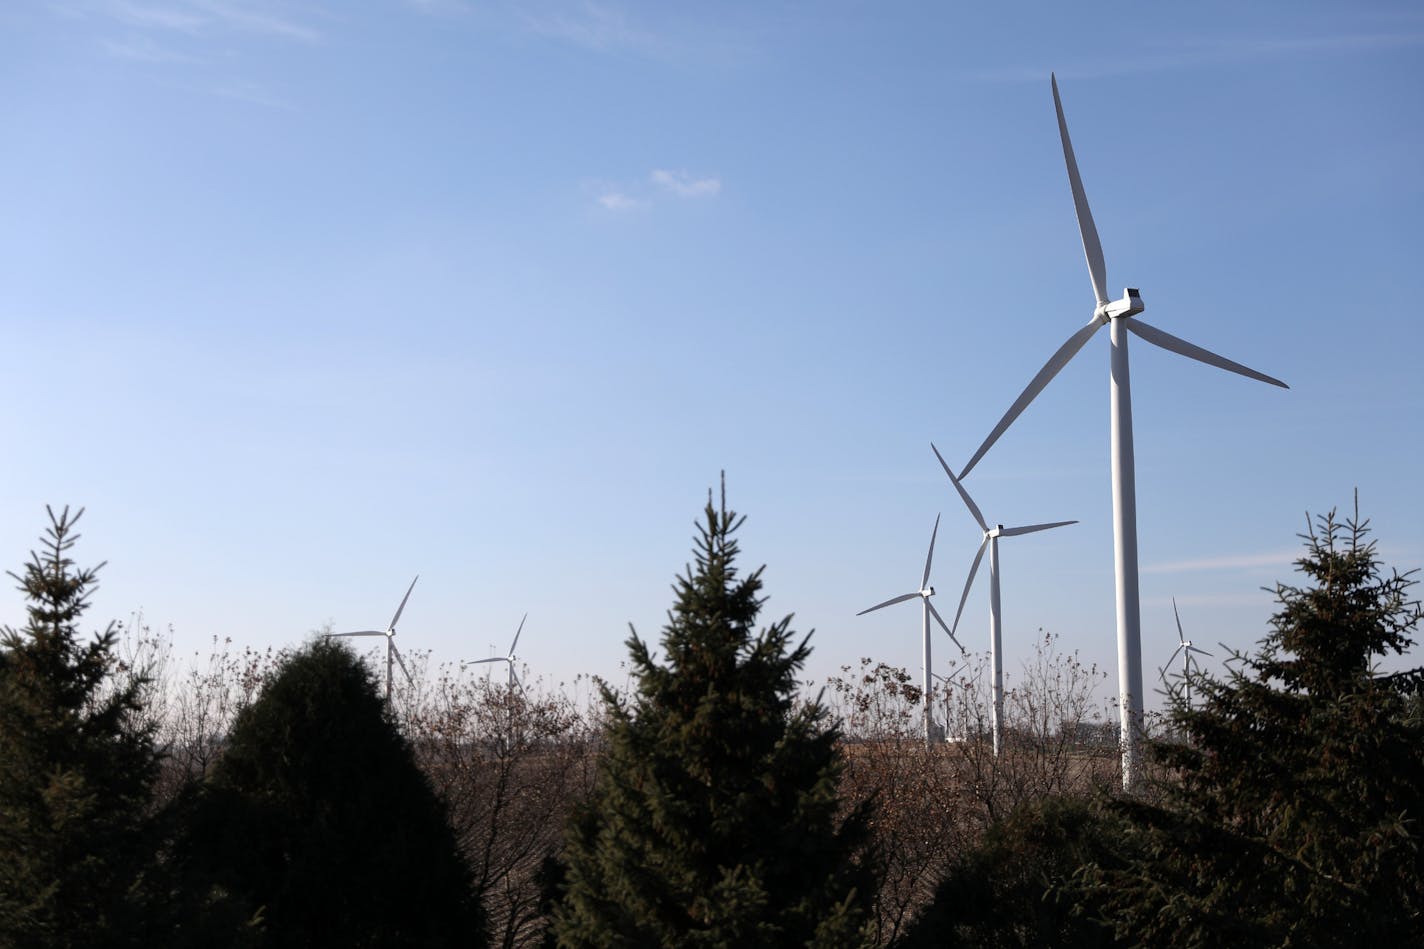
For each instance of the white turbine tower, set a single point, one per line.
(392, 653)
(510, 659)
(1185, 647)
(1118, 314)
(996, 626)
(924, 593)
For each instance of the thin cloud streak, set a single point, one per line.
(684, 185)
(1275, 558)
(617, 201)
(596, 26)
(197, 18)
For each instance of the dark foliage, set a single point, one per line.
(715, 817)
(77, 763)
(1019, 885)
(318, 827)
(1292, 816)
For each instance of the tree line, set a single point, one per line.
(276, 799)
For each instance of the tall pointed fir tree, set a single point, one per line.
(1293, 809)
(715, 820)
(317, 824)
(77, 763)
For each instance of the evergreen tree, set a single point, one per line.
(318, 824)
(715, 820)
(77, 763)
(1292, 816)
(1018, 886)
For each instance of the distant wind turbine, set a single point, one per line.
(510, 659)
(392, 653)
(1185, 647)
(996, 626)
(1119, 316)
(924, 593)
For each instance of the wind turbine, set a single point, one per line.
(1185, 647)
(996, 627)
(511, 658)
(392, 653)
(1118, 315)
(924, 593)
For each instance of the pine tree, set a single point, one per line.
(715, 820)
(1292, 816)
(318, 824)
(77, 763)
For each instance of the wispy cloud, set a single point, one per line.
(660, 184)
(1273, 558)
(684, 185)
(249, 18)
(194, 36)
(590, 24)
(618, 201)
(198, 18)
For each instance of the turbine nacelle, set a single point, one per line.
(1130, 305)
(927, 592)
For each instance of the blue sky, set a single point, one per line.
(303, 298)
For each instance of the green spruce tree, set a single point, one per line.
(318, 826)
(715, 820)
(77, 763)
(1292, 813)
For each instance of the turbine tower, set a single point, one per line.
(924, 593)
(510, 658)
(1185, 647)
(1119, 315)
(392, 653)
(996, 628)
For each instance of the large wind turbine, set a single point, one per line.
(510, 659)
(1119, 316)
(392, 653)
(924, 593)
(996, 628)
(1185, 647)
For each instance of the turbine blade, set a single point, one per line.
(1045, 375)
(476, 662)
(970, 582)
(364, 632)
(1191, 648)
(1032, 528)
(1092, 247)
(969, 502)
(891, 602)
(1181, 636)
(930, 556)
(516, 636)
(515, 679)
(1183, 348)
(401, 609)
(396, 652)
(1180, 647)
(944, 626)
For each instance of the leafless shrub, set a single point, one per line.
(510, 764)
(1052, 728)
(932, 801)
